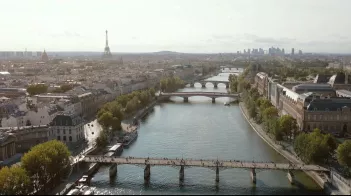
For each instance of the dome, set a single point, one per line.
(44, 57)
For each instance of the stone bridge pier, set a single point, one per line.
(147, 173)
(181, 174)
(113, 170)
(213, 100)
(215, 84)
(217, 174)
(203, 84)
(227, 85)
(186, 99)
(291, 177)
(192, 84)
(253, 176)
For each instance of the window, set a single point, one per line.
(314, 117)
(309, 117)
(64, 131)
(64, 138)
(58, 131)
(337, 117)
(69, 131)
(70, 138)
(58, 138)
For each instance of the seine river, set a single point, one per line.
(202, 130)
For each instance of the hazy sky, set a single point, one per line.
(176, 25)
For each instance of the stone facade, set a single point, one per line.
(261, 83)
(67, 128)
(314, 109)
(7, 146)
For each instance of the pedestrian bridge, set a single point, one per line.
(186, 95)
(212, 164)
(214, 82)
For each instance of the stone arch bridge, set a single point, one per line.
(214, 82)
(186, 95)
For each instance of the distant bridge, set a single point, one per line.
(214, 82)
(212, 164)
(186, 95)
(224, 69)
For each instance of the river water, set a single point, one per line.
(202, 130)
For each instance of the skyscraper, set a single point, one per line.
(292, 51)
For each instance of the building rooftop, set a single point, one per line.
(312, 86)
(333, 104)
(262, 75)
(344, 93)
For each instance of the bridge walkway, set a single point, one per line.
(204, 163)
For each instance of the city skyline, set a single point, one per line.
(181, 26)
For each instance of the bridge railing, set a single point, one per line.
(191, 159)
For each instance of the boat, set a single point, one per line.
(85, 190)
(130, 138)
(89, 192)
(227, 104)
(74, 191)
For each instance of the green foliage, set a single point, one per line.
(269, 113)
(46, 161)
(102, 140)
(288, 125)
(233, 83)
(299, 69)
(112, 113)
(37, 89)
(14, 181)
(252, 111)
(171, 84)
(105, 119)
(344, 153)
(314, 147)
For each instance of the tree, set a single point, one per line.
(269, 113)
(14, 181)
(152, 92)
(37, 89)
(344, 153)
(105, 119)
(46, 161)
(171, 84)
(287, 125)
(116, 124)
(252, 111)
(314, 147)
(115, 109)
(122, 100)
(102, 140)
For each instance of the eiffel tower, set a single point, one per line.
(107, 52)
